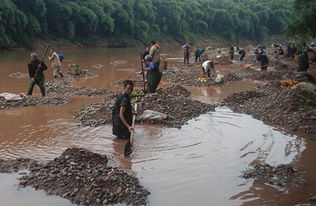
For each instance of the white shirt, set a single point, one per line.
(206, 65)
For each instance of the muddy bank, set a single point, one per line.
(27, 101)
(63, 87)
(293, 108)
(173, 101)
(80, 176)
(251, 74)
(279, 176)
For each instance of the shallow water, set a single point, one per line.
(200, 164)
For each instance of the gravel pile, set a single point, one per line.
(19, 75)
(33, 101)
(9, 166)
(64, 88)
(82, 73)
(173, 101)
(252, 74)
(279, 176)
(82, 177)
(294, 109)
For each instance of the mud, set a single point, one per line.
(279, 176)
(80, 176)
(275, 104)
(173, 101)
(33, 101)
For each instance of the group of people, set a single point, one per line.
(36, 68)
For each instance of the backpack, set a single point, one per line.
(61, 56)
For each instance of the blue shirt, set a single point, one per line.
(152, 66)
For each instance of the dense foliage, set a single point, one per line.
(304, 25)
(23, 21)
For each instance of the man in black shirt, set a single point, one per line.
(122, 115)
(36, 68)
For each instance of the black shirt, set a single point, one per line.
(32, 67)
(123, 100)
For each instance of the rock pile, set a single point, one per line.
(9, 166)
(64, 88)
(172, 101)
(19, 75)
(33, 101)
(278, 105)
(82, 177)
(278, 176)
(96, 114)
(268, 75)
(82, 73)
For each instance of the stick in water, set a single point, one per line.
(129, 145)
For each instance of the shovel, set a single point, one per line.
(128, 147)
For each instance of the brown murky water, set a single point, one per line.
(199, 164)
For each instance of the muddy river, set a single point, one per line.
(199, 164)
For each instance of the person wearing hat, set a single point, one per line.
(208, 68)
(303, 61)
(36, 68)
(153, 74)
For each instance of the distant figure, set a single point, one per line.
(231, 53)
(303, 61)
(242, 54)
(187, 50)
(198, 52)
(208, 68)
(154, 52)
(153, 74)
(55, 63)
(36, 68)
(122, 115)
(263, 60)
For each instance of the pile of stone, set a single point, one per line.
(252, 74)
(19, 75)
(82, 177)
(96, 114)
(61, 87)
(27, 101)
(173, 101)
(293, 108)
(279, 176)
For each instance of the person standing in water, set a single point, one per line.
(36, 68)
(122, 114)
(231, 53)
(153, 74)
(55, 63)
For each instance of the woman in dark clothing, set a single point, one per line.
(122, 115)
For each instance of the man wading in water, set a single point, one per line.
(56, 64)
(36, 74)
(122, 115)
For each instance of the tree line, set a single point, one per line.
(22, 22)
